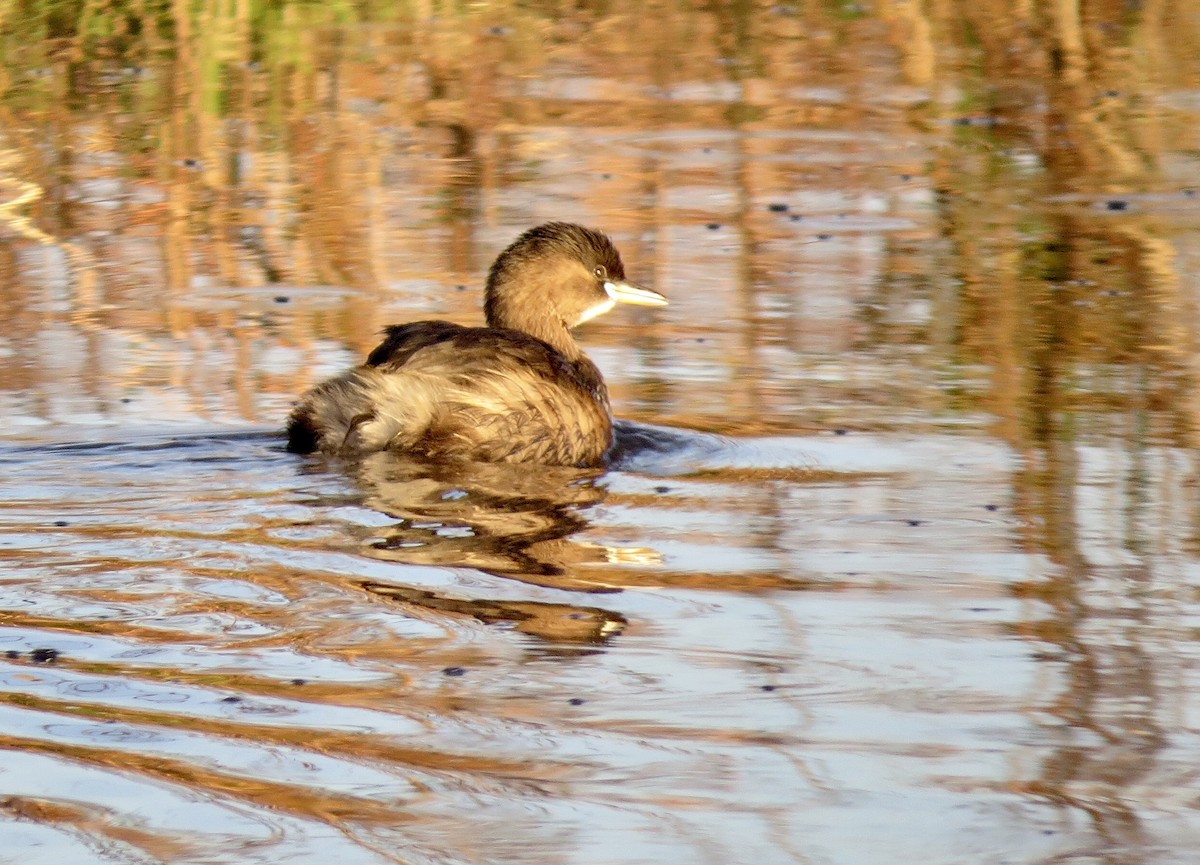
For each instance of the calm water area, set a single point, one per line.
(900, 557)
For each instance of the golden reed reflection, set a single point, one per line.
(1073, 299)
(261, 155)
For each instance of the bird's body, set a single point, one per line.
(519, 390)
(442, 390)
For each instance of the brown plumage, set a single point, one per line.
(519, 390)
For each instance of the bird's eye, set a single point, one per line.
(600, 272)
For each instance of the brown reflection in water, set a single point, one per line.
(1080, 318)
(555, 622)
(510, 520)
(1110, 690)
(513, 521)
(204, 177)
(327, 806)
(90, 822)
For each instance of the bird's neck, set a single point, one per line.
(547, 328)
(554, 331)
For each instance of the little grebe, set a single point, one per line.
(519, 390)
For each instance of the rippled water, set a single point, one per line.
(564, 667)
(896, 560)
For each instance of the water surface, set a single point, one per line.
(897, 562)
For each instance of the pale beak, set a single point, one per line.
(627, 292)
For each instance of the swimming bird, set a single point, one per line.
(519, 390)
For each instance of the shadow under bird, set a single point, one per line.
(519, 390)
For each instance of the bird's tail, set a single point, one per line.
(360, 411)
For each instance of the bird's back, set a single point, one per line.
(441, 390)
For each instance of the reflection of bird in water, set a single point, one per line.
(558, 622)
(499, 518)
(518, 391)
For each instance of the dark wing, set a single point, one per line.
(454, 352)
(402, 341)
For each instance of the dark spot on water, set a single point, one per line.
(1112, 292)
(231, 699)
(61, 523)
(460, 288)
(126, 399)
(454, 671)
(796, 217)
(44, 656)
(841, 432)
(281, 298)
(915, 522)
(576, 701)
(777, 207)
(824, 237)
(991, 507)
(708, 150)
(904, 178)
(662, 489)
(767, 687)
(713, 226)
(606, 176)
(984, 609)
(962, 121)
(191, 163)
(299, 681)
(1189, 192)
(701, 339)
(12, 654)
(1116, 204)
(1112, 94)
(499, 31)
